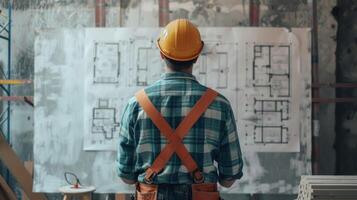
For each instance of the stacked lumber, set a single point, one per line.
(328, 188)
(18, 170)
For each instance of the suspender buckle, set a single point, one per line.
(198, 176)
(149, 175)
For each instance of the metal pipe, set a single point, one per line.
(14, 81)
(100, 15)
(315, 92)
(26, 99)
(164, 12)
(16, 98)
(334, 85)
(254, 12)
(9, 72)
(335, 100)
(9, 86)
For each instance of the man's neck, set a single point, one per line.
(189, 70)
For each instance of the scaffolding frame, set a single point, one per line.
(5, 34)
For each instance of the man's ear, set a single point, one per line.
(162, 55)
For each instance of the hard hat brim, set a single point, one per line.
(177, 58)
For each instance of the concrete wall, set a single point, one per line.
(327, 27)
(32, 15)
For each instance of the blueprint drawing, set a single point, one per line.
(116, 68)
(255, 76)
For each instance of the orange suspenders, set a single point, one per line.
(175, 136)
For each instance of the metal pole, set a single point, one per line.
(100, 15)
(164, 12)
(334, 85)
(315, 92)
(8, 136)
(335, 100)
(254, 12)
(9, 74)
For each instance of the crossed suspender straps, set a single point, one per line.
(175, 136)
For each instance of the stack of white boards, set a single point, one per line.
(328, 188)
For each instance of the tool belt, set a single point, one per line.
(200, 190)
(146, 191)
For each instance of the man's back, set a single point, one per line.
(212, 139)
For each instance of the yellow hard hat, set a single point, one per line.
(180, 40)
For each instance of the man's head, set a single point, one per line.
(180, 45)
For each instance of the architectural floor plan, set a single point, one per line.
(273, 127)
(105, 119)
(106, 68)
(268, 98)
(255, 76)
(217, 60)
(217, 68)
(271, 70)
(271, 78)
(148, 63)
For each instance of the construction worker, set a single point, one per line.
(175, 130)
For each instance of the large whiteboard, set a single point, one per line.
(83, 78)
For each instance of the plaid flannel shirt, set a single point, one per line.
(212, 142)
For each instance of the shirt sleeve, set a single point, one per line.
(230, 163)
(126, 158)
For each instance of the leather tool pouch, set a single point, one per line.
(205, 191)
(146, 191)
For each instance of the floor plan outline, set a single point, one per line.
(273, 127)
(148, 64)
(104, 120)
(219, 60)
(271, 69)
(267, 96)
(106, 64)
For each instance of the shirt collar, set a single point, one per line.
(178, 75)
